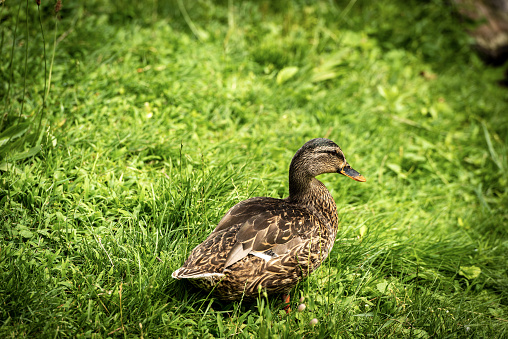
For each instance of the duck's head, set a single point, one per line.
(319, 156)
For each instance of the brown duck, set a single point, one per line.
(273, 243)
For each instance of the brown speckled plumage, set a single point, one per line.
(273, 243)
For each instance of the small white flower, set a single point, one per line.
(313, 322)
(301, 308)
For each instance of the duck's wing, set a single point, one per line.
(264, 227)
(267, 231)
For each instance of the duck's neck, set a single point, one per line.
(312, 193)
(308, 191)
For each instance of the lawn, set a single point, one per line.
(129, 129)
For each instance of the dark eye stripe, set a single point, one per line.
(337, 154)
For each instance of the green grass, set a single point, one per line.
(156, 124)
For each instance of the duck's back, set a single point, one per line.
(256, 224)
(257, 238)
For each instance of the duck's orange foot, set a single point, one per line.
(285, 299)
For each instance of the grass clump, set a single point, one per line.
(156, 123)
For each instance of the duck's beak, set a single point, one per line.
(351, 173)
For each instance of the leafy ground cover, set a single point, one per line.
(130, 129)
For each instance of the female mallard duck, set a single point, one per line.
(273, 243)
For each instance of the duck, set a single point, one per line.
(271, 244)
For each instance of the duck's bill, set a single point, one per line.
(351, 173)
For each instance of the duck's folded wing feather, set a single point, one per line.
(270, 233)
(263, 227)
